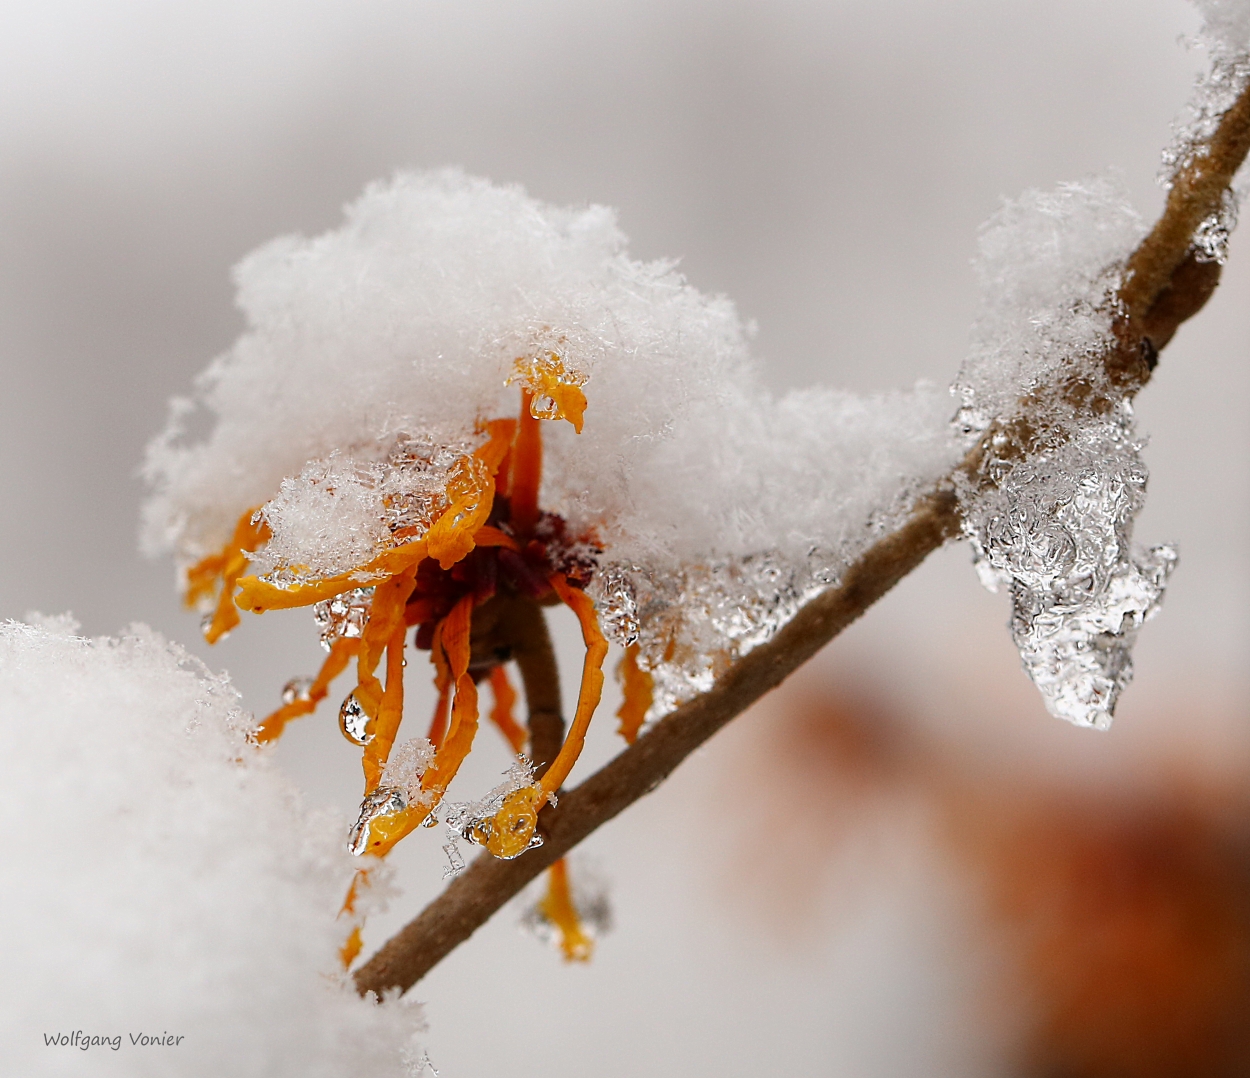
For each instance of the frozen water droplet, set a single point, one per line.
(384, 801)
(544, 407)
(297, 689)
(474, 821)
(343, 615)
(354, 721)
(206, 624)
(1213, 233)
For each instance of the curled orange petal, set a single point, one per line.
(592, 681)
(501, 713)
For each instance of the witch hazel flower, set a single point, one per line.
(464, 406)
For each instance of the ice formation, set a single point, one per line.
(1050, 512)
(373, 354)
(160, 877)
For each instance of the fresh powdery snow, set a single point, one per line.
(170, 906)
(373, 352)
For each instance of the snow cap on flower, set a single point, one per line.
(395, 336)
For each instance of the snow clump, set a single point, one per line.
(162, 881)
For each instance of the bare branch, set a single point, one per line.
(1164, 285)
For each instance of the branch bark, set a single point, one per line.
(1164, 284)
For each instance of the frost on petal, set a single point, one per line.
(154, 852)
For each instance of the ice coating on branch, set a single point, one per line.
(374, 352)
(155, 854)
(1050, 510)
(1056, 530)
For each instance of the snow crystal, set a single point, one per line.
(1050, 513)
(1226, 26)
(407, 764)
(161, 878)
(373, 353)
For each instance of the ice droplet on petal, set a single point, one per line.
(384, 801)
(354, 722)
(1056, 529)
(206, 624)
(474, 821)
(297, 689)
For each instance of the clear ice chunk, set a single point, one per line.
(343, 615)
(384, 801)
(1055, 529)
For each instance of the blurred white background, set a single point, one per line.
(825, 163)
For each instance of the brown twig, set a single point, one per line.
(511, 626)
(1164, 284)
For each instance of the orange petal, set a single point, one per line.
(341, 652)
(352, 948)
(384, 631)
(527, 469)
(501, 713)
(227, 566)
(464, 717)
(592, 681)
(259, 595)
(637, 686)
(559, 909)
